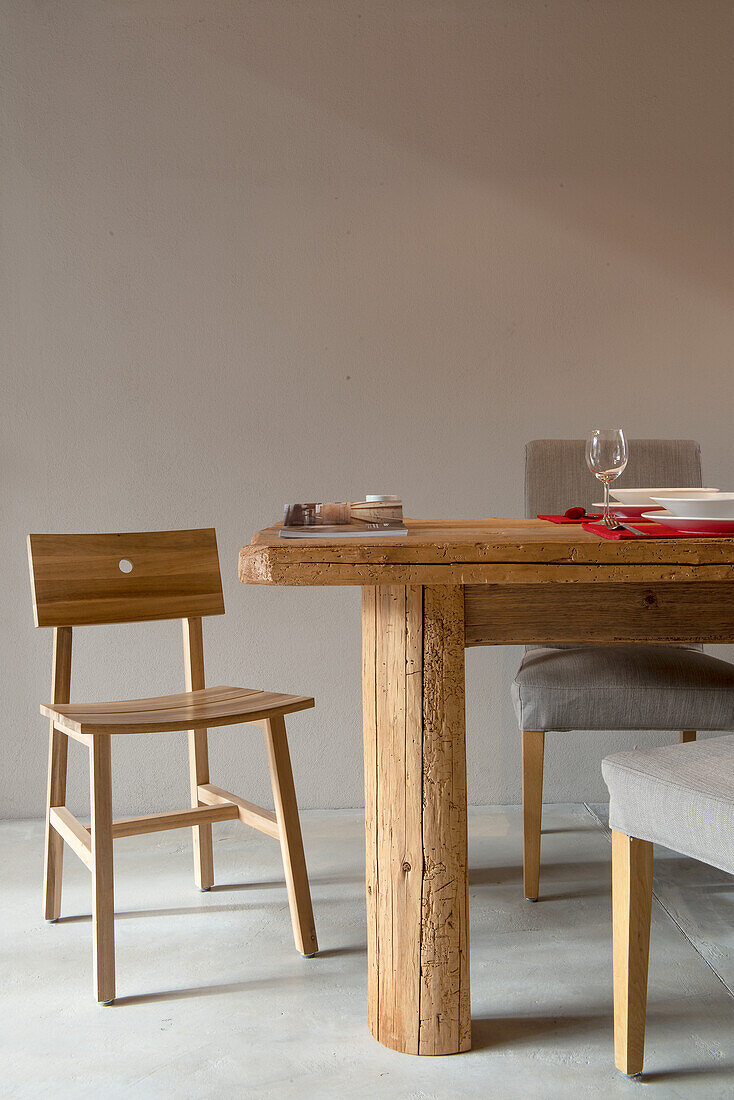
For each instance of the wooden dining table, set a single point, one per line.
(447, 585)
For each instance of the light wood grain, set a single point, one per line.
(103, 905)
(415, 795)
(493, 551)
(393, 738)
(77, 836)
(533, 745)
(399, 778)
(77, 580)
(408, 883)
(372, 877)
(248, 813)
(632, 862)
(71, 830)
(395, 937)
(193, 645)
(445, 1005)
(291, 842)
(609, 614)
(185, 701)
(502, 573)
(217, 706)
(56, 789)
(174, 819)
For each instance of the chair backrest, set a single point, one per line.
(79, 580)
(557, 477)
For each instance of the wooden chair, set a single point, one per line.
(79, 580)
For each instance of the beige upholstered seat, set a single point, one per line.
(626, 687)
(681, 796)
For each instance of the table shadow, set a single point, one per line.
(492, 1032)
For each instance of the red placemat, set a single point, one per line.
(652, 531)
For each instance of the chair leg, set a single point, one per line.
(686, 736)
(291, 842)
(199, 774)
(58, 745)
(631, 911)
(103, 904)
(533, 745)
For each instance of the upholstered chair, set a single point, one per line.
(599, 688)
(680, 796)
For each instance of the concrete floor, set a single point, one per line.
(214, 1001)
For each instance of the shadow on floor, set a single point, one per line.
(182, 994)
(339, 952)
(560, 872)
(491, 1032)
(567, 829)
(181, 911)
(314, 880)
(200, 991)
(233, 987)
(575, 895)
(206, 907)
(723, 1070)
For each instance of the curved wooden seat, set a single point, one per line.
(214, 706)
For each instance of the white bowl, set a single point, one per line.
(711, 506)
(650, 496)
(722, 527)
(624, 511)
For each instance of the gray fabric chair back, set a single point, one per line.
(557, 477)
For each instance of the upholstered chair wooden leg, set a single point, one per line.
(686, 736)
(291, 842)
(631, 912)
(103, 904)
(533, 745)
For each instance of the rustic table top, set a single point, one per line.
(485, 551)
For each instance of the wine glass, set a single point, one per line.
(606, 457)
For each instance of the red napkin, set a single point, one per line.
(652, 531)
(565, 519)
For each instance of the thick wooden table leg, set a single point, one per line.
(415, 806)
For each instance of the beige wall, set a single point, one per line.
(277, 250)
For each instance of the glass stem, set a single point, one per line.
(606, 502)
